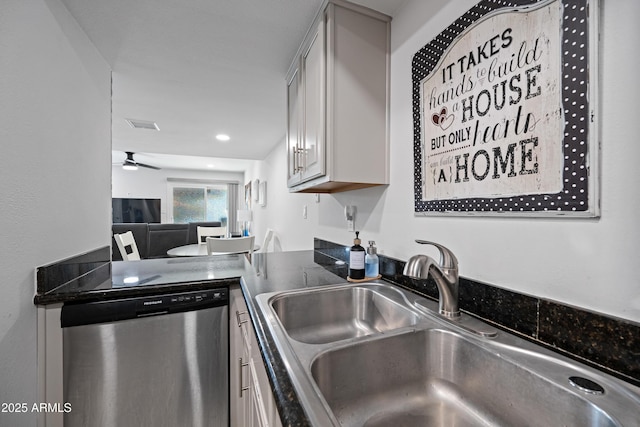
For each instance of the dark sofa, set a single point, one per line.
(154, 240)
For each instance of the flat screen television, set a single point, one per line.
(135, 210)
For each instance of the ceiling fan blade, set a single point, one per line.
(129, 161)
(148, 166)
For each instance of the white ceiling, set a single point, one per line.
(198, 68)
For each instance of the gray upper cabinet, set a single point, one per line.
(338, 102)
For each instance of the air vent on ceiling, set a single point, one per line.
(142, 124)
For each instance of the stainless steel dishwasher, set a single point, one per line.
(148, 361)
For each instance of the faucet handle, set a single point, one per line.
(447, 258)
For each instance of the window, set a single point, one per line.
(197, 202)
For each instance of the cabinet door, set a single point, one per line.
(252, 402)
(294, 127)
(238, 360)
(259, 405)
(313, 84)
(264, 405)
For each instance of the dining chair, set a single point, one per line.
(267, 240)
(233, 245)
(127, 246)
(204, 232)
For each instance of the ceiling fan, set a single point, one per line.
(131, 164)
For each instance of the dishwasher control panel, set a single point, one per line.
(86, 313)
(184, 301)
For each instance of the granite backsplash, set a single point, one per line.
(75, 273)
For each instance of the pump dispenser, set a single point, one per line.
(371, 264)
(356, 259)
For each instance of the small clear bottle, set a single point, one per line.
(371, 262)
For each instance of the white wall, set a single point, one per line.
(147, 183)
(590, 263)
(283, 210)
(55, 109)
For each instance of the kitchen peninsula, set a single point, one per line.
(120, 279)
(286, 271)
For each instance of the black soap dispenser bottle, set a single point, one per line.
(356, 259)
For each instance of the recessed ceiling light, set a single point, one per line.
(210, 166)
(222, 137)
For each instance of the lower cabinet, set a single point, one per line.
(251, 401)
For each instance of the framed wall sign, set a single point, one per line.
(255, 189)
(505, 112)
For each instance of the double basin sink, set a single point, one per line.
(376, 355)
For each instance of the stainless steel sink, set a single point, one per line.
(437, 378)
(337, 314)
(376, 355)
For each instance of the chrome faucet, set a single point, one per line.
(445, 274)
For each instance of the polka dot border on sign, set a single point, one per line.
(574, 196)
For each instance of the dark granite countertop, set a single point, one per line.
(136, 278)
(282, 272)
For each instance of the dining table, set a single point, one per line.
(197, 249)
